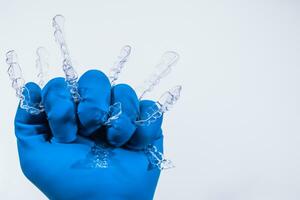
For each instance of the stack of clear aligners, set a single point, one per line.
(164, 67)
(18, 83)
(119, 64)
(42, 65)
(70, 73)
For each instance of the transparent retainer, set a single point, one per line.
(164, 104)
(18, 84)
(42, 65)
(99, 157)
(157, 159)
(162, 69)
(71, 76)
(119, 64)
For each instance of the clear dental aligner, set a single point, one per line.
(119, 64)
(115, 110)
(70, 73)
(99, 156)
(164, 104)
(157, 159)
(167, 61)
(18, 83)
(42, 65)
(113, 113)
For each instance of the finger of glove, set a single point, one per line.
(94, 88)
(121, 129)
(28, 126)
(147, 134)
(60, 109)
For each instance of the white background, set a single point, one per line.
(235, 132)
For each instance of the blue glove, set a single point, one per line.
(51, 144)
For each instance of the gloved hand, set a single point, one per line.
(51, 144)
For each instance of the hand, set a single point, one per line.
(54, 146)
